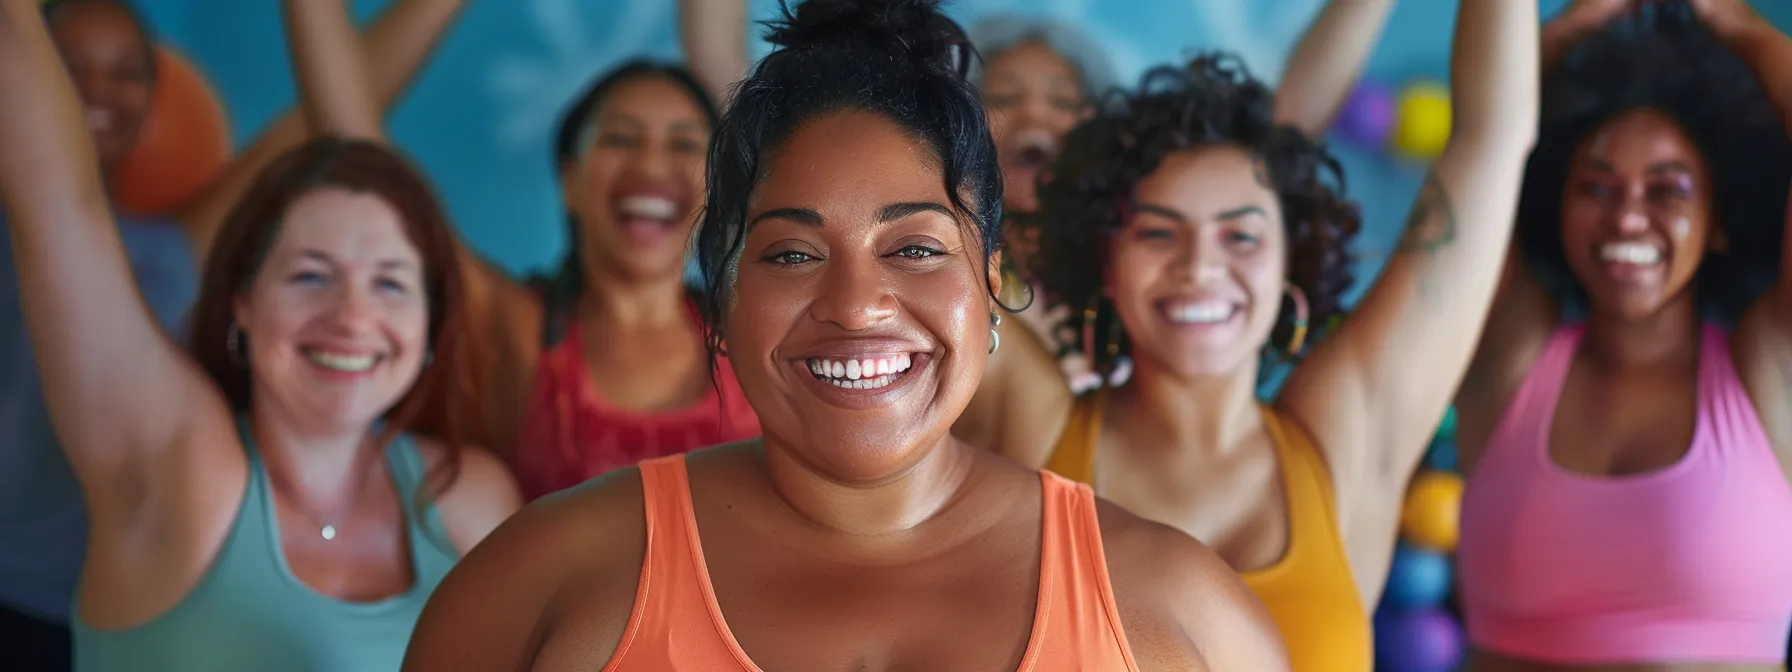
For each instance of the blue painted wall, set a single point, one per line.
(480, 118)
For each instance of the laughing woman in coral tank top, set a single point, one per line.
(849, 240)
(1627, 506)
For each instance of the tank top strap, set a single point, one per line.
(1074, 455)
(1077, 624)
(1312, 503)
(675, 615)
(1725, 408)
(1523, 428)
(433, 551)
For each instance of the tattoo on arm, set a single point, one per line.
(1430, 227)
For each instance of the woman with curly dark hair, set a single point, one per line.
(1627, 504)
(1201, 234)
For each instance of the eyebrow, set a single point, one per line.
(1655, 169)
(1224, 215)
(888, 213)
(383, 264)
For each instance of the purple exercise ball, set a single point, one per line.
(1368, 115)
(1427, 640)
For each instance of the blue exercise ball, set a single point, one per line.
(1428, 640)
(1419, 579)
(1441, 455)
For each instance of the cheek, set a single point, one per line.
(598, 174)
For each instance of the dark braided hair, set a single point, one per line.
(899, 59)
(1211, 102)
(1668, 62)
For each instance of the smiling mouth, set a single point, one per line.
(863, 373)
(1634, 253)
(341, 362)
(1198, 312)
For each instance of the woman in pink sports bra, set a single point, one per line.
(1628, 505)
(850, 246)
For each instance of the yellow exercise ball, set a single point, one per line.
(1433, 505)
(1422, 121)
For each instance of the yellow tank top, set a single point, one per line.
(1309, 592)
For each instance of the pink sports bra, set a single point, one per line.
(1691, 563)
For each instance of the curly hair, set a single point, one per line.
(900, 59)
(1670, 63)
(1211, 102)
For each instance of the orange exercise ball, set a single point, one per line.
(185, 141)
(1433, 506)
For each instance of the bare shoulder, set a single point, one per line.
(562, 571)
(482, 495)
(1182, 606)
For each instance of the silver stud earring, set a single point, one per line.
(995, 337)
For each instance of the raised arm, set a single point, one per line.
(396, 45)
(715, 43)
(1769, 52)
(1327, 62)
(1373, 393)
(121, 395)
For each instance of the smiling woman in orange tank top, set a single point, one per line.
(850, 246)
(1215, 234)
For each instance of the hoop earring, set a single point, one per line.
(233, 344)
(1091, 313)
(995, 337)
(1299, 338)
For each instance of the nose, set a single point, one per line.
(1200, 259)
(653, 162)
(354, 310)
(853, 295)
(1633, 214)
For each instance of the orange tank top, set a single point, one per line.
(676, 625)
(1310, 592)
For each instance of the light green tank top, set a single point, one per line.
(249, 613)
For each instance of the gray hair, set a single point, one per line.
(997, 34)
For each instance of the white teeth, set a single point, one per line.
(1641, 254)
(341, 362)
(647, 207)
(861, 374)
(1205, 312)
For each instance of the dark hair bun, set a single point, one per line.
(914, 29)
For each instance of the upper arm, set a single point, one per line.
(1179, 600)
(572, 557)
(481, 498)
(1022, 402)
(334, 89)
(121, 394)
(1372, 394)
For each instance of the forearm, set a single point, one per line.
(47, 164)
(1494, 67)
(715, 43)
(397, 45)
(1769, 53)
(1327, 62)
(334, 89)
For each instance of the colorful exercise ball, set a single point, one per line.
(185, 141)
(1441, 455)
(1418, 579)
(1433, 504)
(1446, 430)
(1422, 121)
(1426, 640)
(1368, 115)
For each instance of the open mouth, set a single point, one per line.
(1198, 313)
(1632, 261)
(337, 361)
(863, 373)
(646, 219)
